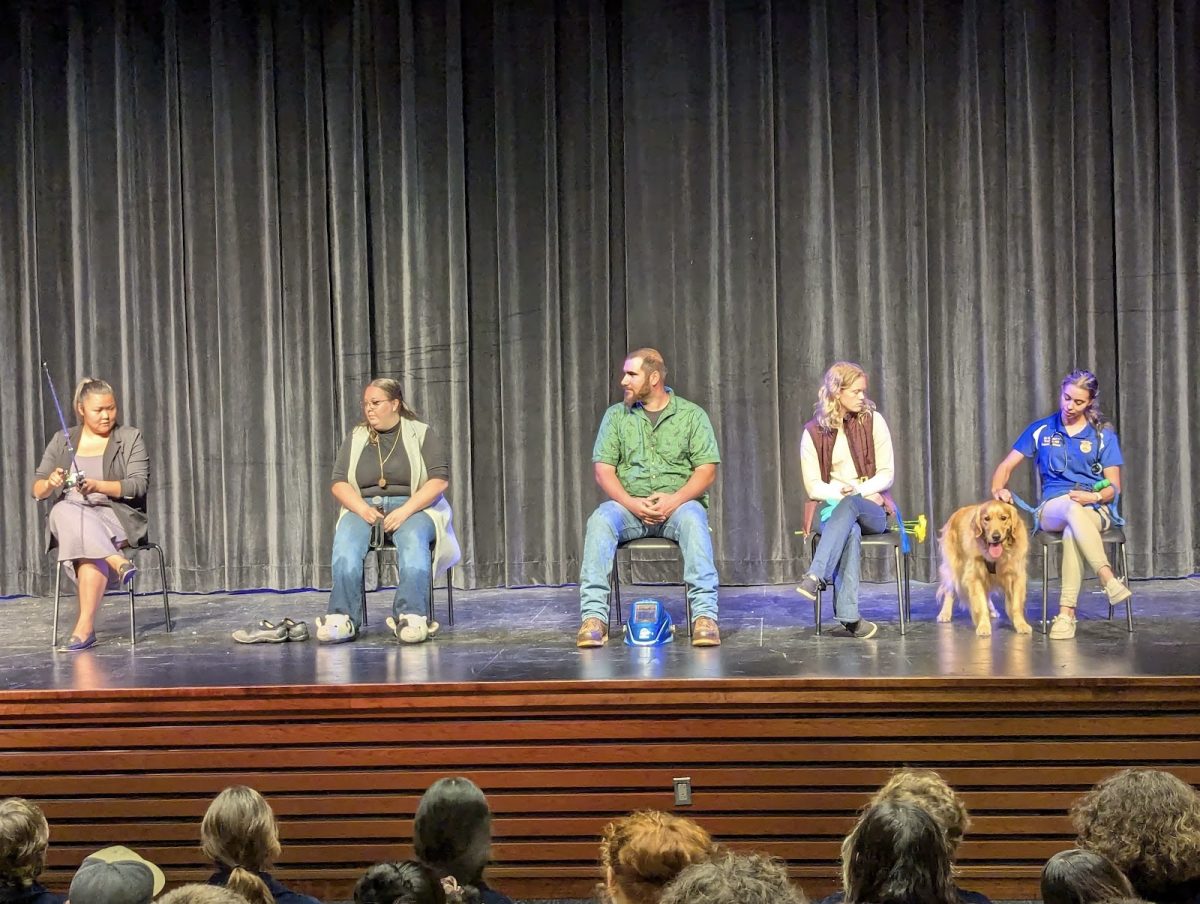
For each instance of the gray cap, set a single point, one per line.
(115, 875)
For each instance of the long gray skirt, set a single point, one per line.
(85, 531)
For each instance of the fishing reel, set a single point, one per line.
(73, 479)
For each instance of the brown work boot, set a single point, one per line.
(592, 633)
(705, 632)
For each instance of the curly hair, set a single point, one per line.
(410, 882)
(24, 836)
(734, 879)
(1082, 877)
(840, 376)
(644, 851)
(896, 854)
(929, 791)
(1145, 821)
(198, 893)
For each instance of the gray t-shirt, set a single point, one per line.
(395, 469)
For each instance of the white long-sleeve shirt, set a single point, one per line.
(842, 470)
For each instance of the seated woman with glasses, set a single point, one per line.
(392, 472)
(1078, 459)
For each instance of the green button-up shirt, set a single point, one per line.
(656, 458)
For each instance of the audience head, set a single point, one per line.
(1145, 821)
(644, 851)
(1082, 877)
(733, 879)
(929, 791)
(115, 875)
(197, 893)
(24, 836)
(839, 395)
(410, 882)
(452, 831)
(897, 854)
(239, 834)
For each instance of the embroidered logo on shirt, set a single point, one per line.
(1085, 446)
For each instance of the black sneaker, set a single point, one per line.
(862, 629)
(810, 586)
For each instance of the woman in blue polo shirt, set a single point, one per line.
(1074, 449)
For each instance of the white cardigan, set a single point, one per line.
(446, 552)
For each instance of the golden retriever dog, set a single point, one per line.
(985, 547)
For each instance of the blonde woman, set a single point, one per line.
(93, 520)
(642, 852)
(1074, 450)
(24, 837)
(848, 469)
(240, 836)
(392, 470)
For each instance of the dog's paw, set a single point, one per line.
(983, 630)
(943, 617)
(1023, 628)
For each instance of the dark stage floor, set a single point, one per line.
(517, 635)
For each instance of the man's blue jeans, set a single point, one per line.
(611, 523)
(839, 554)
(414, 563)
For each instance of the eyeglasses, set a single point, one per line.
(372, 404)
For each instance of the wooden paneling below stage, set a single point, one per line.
(777, 765)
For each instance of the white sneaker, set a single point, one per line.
(335, 628)
(1117, 592)
(1063, 627)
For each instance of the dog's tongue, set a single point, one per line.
(995, 550)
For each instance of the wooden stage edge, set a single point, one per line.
(778, 765)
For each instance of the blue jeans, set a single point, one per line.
(611, 523)
(351, 541)
(839, 554)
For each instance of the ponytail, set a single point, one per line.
(250, 886)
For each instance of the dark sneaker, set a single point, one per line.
(811, 587)
(296, 630)
(705, 632)
(263, 632)
(592, 633)
(862, 629)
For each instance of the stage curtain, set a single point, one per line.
(239, 212)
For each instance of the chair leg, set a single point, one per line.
(57, 597)
(908, 589)
(364, 583)
(1045, 588)
(812, 554)
(900, 589)
(429, 613)
(450, 597)
(162, 574)
(132, 621)
(687, 608)
(615, 592)
(1124, 557)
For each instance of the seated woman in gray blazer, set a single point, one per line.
(92, 520)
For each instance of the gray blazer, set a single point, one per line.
(125, 459)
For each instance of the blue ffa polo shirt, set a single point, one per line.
(1066, 462)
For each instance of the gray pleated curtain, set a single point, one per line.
(238, 212)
